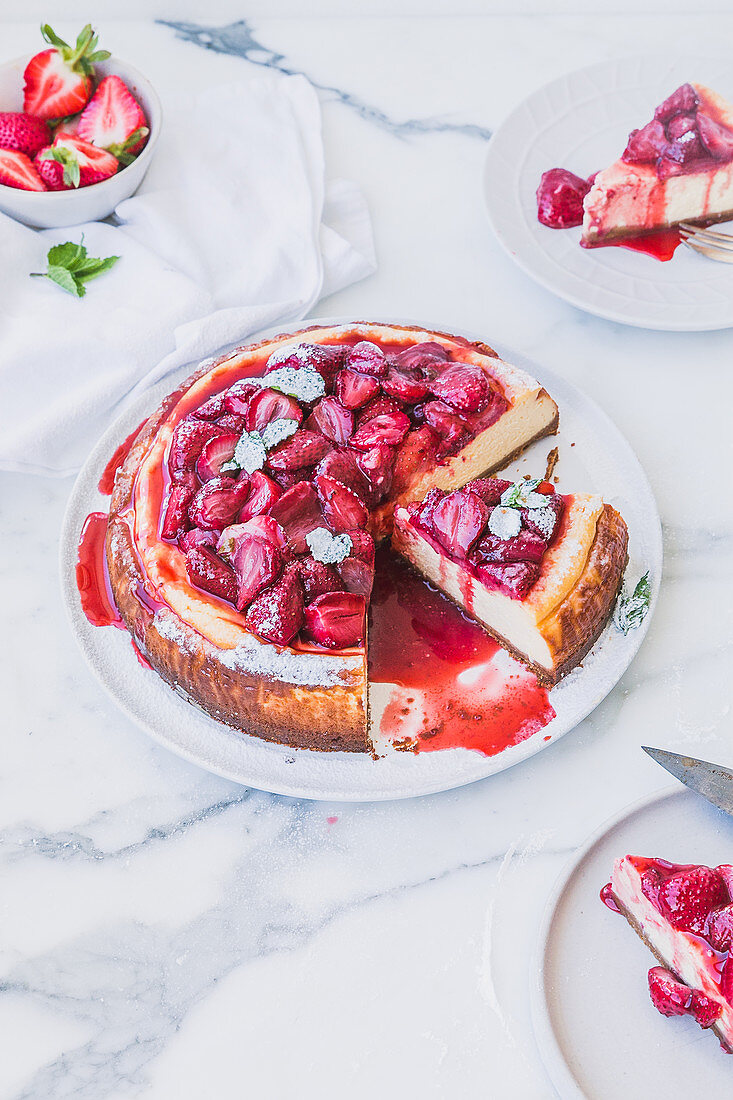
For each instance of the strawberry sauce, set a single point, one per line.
(107, 480)
(660, 245)
(471, 695)
(91, 574)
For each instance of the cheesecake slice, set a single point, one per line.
(684, 914)
(538, 570)
(676, 168)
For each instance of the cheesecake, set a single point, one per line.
(540, 571)
(676, 168)
(242, 528)
(684, 914)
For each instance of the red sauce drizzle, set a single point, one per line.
(660, 245)
(420, 640)
(107, 480)
(91, 574)
(608, 899)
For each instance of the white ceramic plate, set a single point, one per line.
(581, 122)
(600, 461)
(599, 1035)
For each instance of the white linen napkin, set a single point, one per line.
(234, 229)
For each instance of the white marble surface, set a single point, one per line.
(168, 934)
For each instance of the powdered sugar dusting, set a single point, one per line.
(260, 659)
(544, 519)
(304, 383)
(327, 547)
(505, 523)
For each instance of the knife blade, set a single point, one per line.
(712, 781)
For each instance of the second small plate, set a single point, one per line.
(598, 1033)
(581, 122)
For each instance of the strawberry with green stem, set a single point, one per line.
(59, 81)
(114, 120)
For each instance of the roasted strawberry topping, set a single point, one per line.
(273, 479)
(496, 530)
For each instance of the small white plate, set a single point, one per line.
(598, 1033)
(581, 122)
(600, 460)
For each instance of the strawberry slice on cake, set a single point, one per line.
(538, 570)
(684, 914)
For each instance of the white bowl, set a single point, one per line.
(52, 209)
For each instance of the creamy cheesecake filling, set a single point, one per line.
(687, 955)
(530, 412)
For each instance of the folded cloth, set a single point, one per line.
(233, 230)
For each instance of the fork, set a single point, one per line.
(708, 242)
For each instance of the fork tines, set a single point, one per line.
(708, 242)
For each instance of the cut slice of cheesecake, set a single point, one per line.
(677, 168)
(539, 571)
(684, 914)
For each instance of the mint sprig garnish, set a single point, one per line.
(631, 608)
(522, 495)
(70, 267)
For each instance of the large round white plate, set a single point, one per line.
(581, 122)
(600, 461)
(599, 1035)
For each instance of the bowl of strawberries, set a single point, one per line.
(77, 132)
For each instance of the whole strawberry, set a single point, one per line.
(71, 162)
(59, 81)
(23, 133)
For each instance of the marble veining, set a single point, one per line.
(239, 39)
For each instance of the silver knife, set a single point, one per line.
(712, 781)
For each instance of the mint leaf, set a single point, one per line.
(91, 268)
(522, 495)
(68, 255)
(631, 609)
(65, 280)
(70, 267)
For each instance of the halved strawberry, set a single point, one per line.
(17, 170)
(197, 537)
(332, 420)
(367, 358)
(257, 565)
(236, 398)
(458, 521)
(317, 578)
(705, 1010)
(357, 576)
(298, 512)
(58, 82)
(188, 442)
(277, 613)
(71, 162)
(302, 449)
(343, 466)
(514, 578)
(380, 406)
(218, 502)
(354, 390)
(683, 100)
(175, 520)
(263, 492)
(490, 489)
(416, 455)
(113, 119)
(447, 423)
(342, 508)
(687, 898)
(268, 405)
(389, 429)
(378, 464)
(23, 133)
(209, 572)
(327, 359)
(717, 139)
(362, 546)
(400, 385)
(336, 620)
(214, 454)
(669, 996)
(428, 358)
(726, 980)
(267, 528)
(720, 928)
(231, 422)
(464, 388)
(211, 409)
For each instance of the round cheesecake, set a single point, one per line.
(242, 525)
